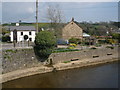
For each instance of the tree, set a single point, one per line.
(5, 38)
(4, 31)
(55, 16)
(116, 36)
(45, 42)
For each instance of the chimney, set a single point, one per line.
(17, 24)
(72, 19)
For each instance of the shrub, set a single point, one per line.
(64, 50)
(98, 45)
(73, 45)
(5, 38)
(74, 40)
(70, 47)
(118, 45)
(45, 42)
(110, 47)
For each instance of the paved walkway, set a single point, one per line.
(5, 46)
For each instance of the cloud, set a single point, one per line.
(30, 10)
(82, 11)
(14, 11)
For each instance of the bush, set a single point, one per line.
(110, 47)
(70, 47)
(73, 45)
(5, 38)
(64, 50)
(74, 40)
(98, 45)
(45, 42)
(116, 36)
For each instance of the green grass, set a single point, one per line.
(110, 47)
(42, 25)
(6, 57)
(64, 50)
(10, 50)
(98, 45)
(66, 61)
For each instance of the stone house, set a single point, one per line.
(72, 30)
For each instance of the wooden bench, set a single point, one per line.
(109, 54)
(74, 59)
(95, 56)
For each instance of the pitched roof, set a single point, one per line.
(22, 28)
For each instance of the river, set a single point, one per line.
(99, 76)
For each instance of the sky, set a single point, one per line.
(81, 11)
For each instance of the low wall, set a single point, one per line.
(83, 54)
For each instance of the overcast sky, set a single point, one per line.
(81, 11)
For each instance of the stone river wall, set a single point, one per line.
(23, 58)
(84, 54)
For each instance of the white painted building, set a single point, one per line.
(19, 32)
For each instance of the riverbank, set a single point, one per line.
(59, 66)
(19, 59)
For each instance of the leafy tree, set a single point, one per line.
(74, 40)
(5, 38)
(4, 31)
(45, 42)
(116, 36)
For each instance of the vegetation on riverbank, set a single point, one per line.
(64, 50)
(45, 42)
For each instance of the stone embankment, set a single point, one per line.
(66, 60)
(15, 59)
(83, 54)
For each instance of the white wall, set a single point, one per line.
(21, 37)
(11, 36)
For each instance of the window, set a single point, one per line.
(21, 33)
(30, 33)
(30, 39)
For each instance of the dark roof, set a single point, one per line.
(22, 28)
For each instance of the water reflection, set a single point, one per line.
(101, 76)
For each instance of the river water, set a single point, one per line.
(99, 76)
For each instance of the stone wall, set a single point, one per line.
(15, 59)
(84, 54)
(24, 58)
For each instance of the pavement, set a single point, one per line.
(5, 46)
